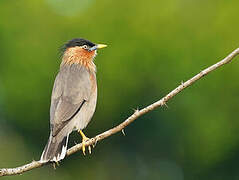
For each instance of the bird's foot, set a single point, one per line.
(84, 139)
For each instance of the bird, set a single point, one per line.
(74, 97)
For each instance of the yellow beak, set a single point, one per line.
(100, 46)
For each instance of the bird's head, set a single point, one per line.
(81, 51)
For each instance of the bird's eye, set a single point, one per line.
(85, 47)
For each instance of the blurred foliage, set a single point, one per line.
(153, 46)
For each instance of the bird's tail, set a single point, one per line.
(55, 149)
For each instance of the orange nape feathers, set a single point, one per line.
(78, 55)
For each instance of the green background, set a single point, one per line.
(153, 45)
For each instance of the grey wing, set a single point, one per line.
(72, 88)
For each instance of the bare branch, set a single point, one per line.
(134, 116)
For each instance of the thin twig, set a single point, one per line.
(134, 116)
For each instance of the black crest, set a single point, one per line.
(77, 42)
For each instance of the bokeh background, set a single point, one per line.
(153, 46)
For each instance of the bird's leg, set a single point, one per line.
(84, 139)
